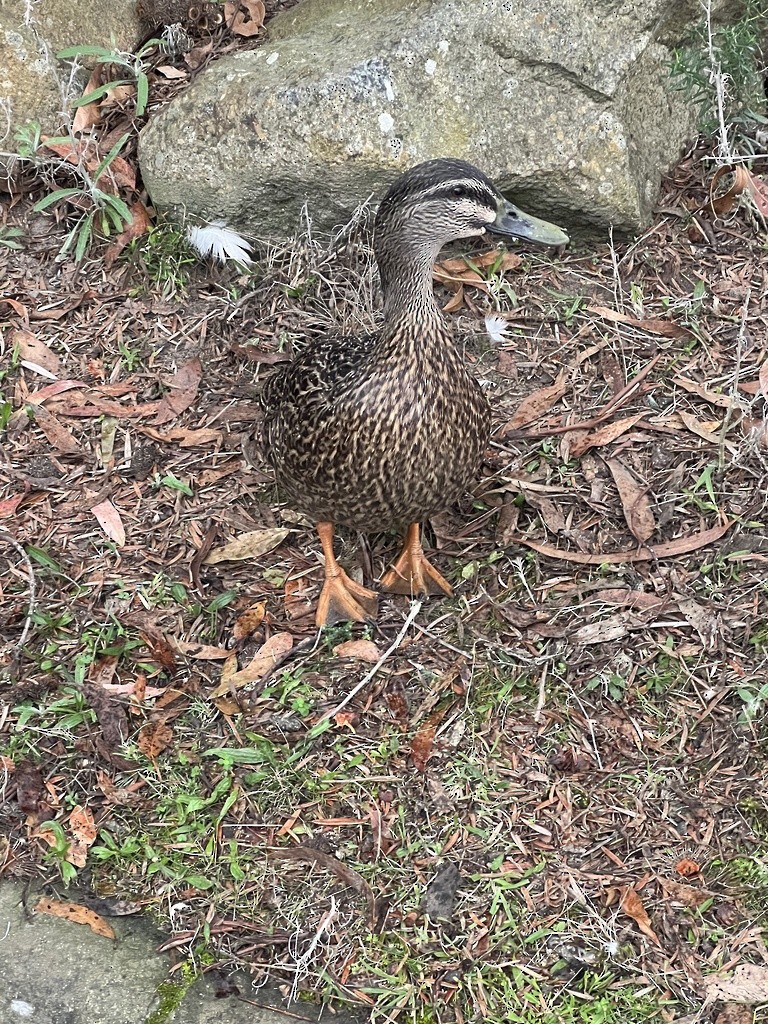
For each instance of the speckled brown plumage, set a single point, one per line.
(385, 430)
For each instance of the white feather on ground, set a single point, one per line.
(497, 328)
(217, 240)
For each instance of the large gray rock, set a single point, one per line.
(34, 85)
(567, 103)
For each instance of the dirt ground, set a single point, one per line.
(546, 798)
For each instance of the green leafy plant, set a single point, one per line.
(721, 72)
(107, 211)
(9, 237)
(134, 65)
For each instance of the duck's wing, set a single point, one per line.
(320, 371)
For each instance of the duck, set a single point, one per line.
(380, 431)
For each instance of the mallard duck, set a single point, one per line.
(381, 431)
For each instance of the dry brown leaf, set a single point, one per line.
(89, 114)
(758, 190)
(688, 895)
(687, 868)
(713, 397)
(581, 441)
(57, 434)
(424, 739)
(82, 825)
(84, 152)
(361, 650)
(154, 738)
(733, 1013)
(637, 599)
(700, 617)
(185, 438)
(244, 17)
(299, 597)
(162, 649)
(633, 907)
(749, 985)
(249, 621)
(634, 501)
(612, 628)
(663, 327)
(83, 831)
(109, 520)
(34, 351)
(248, 545)
(8, 506)
(265, 659)
(725, 202)
(170, 72)
(681, 546)
(203, 652)
(139, 224)
(534, 406)
(183, 387)
(77, 914)
(704, 429)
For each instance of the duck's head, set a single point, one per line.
(441, 200)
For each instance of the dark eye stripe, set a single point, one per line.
(445, 190)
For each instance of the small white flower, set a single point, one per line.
(430, 66)
(217, 240)
(497, 328)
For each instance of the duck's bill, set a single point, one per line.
(512, 222)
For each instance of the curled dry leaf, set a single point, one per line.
(248, 545)
(154, 738)
(634, 501)
(266, 658)
(249, 621)
(424, 739)
(361, 650)
(244, 17)
(688, 895)
(109, 520)
(203, 652)
(162, 649)
(139, 224)
(633, 907)
(77, 914)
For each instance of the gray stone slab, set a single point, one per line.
(55, 972)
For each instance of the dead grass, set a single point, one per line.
(565, 732)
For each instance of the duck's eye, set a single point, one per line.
(459, 191)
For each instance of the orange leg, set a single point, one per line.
(412, 573)
(341, 599)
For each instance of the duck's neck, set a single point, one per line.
(406, 280)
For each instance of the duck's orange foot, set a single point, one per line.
(413, 573)
(343, 600)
